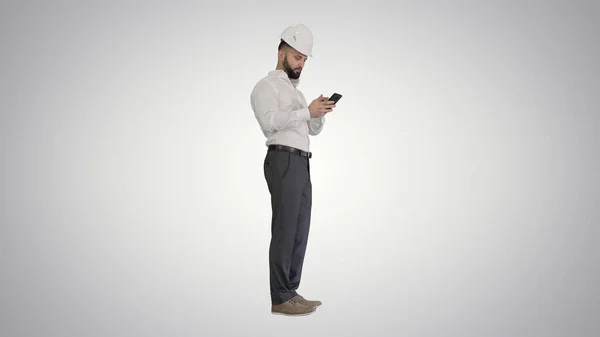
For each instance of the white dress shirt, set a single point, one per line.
(282, 112)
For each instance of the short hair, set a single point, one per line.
(283, 44)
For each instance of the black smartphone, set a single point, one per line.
(335, 97)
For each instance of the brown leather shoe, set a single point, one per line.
(302, 300)
(291, 307)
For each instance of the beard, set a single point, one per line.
(292, 73)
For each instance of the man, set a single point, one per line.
(287, 121)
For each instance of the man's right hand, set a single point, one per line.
(320, 106)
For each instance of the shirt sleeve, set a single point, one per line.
(265, 104)
(315, 125)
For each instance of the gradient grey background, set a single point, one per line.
(456, 185)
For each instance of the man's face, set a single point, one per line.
(293, 62)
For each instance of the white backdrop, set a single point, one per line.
(455, 187)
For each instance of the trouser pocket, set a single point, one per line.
(279, 162)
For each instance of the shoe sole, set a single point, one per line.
(286, 314)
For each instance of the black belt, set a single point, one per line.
(290, 149)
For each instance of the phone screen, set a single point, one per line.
(335, 97)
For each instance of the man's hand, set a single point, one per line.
(320, 106)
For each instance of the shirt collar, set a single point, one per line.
(284, 75)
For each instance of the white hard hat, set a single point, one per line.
(299, 37)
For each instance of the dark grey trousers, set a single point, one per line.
(288, 179)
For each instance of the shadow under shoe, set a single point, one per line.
(292, 308)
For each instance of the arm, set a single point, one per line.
(315, 125)
(266, 109)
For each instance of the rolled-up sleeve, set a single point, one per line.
(266, 109)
